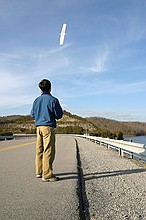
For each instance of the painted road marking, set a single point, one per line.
(16, 146)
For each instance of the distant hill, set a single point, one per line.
(71, 123)
(16, 124)
(24, 124)
(128, 128)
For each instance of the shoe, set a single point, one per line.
(38, 175)
(51, 179)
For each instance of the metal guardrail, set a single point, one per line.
(16, 136)
(134, 150)
(4, 138)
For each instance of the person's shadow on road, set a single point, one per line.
(98, 175)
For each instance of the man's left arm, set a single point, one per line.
(58, 110)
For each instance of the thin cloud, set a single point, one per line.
(5, 57)
(136, 27)
(131, 87)
(20, 73)
(32, 63)
(99, 65)
(94, 87)
(59, 48)
(110, 115)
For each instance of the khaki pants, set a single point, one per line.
(45, 151)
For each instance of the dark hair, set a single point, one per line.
(45, 85)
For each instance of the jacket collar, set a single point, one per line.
(45, 93)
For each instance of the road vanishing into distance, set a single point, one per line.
(95, 183)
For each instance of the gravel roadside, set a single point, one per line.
(114, 187)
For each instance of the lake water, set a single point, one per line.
(137, 139)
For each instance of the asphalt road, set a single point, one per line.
(95, 184)
(23, 196)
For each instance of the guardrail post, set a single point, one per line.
(121, 153)
(131, 155)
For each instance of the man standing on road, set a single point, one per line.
(45, 110)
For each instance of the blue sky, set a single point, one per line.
(99, 71)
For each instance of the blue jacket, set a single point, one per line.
(45, 110)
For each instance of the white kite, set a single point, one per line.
(62, 34)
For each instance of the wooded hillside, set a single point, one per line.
(128, 128)
(74, 124)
